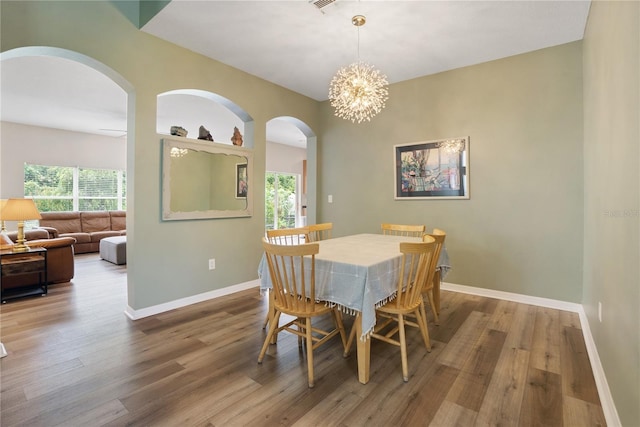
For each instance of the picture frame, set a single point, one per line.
(431, 170)
(241, 181)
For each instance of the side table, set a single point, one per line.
(18, 263)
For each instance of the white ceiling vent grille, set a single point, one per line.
(320, 4)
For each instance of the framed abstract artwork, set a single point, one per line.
(430, 170)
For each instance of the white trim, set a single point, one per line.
(524, 299)
(606, 399)
(183, 302)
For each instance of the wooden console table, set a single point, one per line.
(19, 263)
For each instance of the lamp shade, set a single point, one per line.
(19, 210)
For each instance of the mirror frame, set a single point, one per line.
(209, 147)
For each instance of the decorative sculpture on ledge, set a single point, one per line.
(179, 131)
(203, 133)
(237, 136)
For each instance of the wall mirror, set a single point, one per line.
(205, 180)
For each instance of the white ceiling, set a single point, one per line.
(298, 46)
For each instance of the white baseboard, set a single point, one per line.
(606, 399)
(509, 296)
(183, 302)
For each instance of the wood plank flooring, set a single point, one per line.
(75, 359)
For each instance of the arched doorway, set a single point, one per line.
(55, 102)
(290, 173)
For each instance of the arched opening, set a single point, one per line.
(290, 173)
(193, 108)
(63, 108)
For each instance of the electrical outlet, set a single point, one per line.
(212, 264)
(600, 311)
(330, 198)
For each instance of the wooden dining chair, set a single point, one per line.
(284, 236)
(288, 236)
(428, 289)
(292, 270)
(405, 308)
(319, 232)
(403, 230)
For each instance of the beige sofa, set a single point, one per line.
(88, 228)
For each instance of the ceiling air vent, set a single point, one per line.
(320, 4)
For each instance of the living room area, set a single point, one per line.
(73, 178)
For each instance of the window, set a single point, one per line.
(60, 188)
(281, 203)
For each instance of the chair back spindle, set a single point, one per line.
(403, 230)
(288, 236)
(292, 269)
(319, 232)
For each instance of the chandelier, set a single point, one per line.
(453, 146)
(359, 91)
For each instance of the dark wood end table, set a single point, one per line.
(19, 263)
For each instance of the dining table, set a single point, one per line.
(359, 273)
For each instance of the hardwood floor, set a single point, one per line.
(75, 359)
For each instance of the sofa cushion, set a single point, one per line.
(95, 221)
(64, 222)
(99, 235)
(33, 234)
(36, 234)
(80, 237)
(118, 220)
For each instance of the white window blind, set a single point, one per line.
(58, 188)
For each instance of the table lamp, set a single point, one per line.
(2, 203)
(20, 210)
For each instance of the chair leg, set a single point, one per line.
(269, 308)
(421, 319)
(403, 348)
(300, 329)
(436, 320)
(437, 278)
(423, 311)
(309, 352)
(271, 315)
(337, 317)
(352, 335)
(267, 340)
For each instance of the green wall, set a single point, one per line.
(521, 229)
(612, 196)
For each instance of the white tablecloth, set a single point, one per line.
(358, 273)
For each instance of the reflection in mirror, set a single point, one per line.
(205, 180)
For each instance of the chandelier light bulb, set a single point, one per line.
(358, 92)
